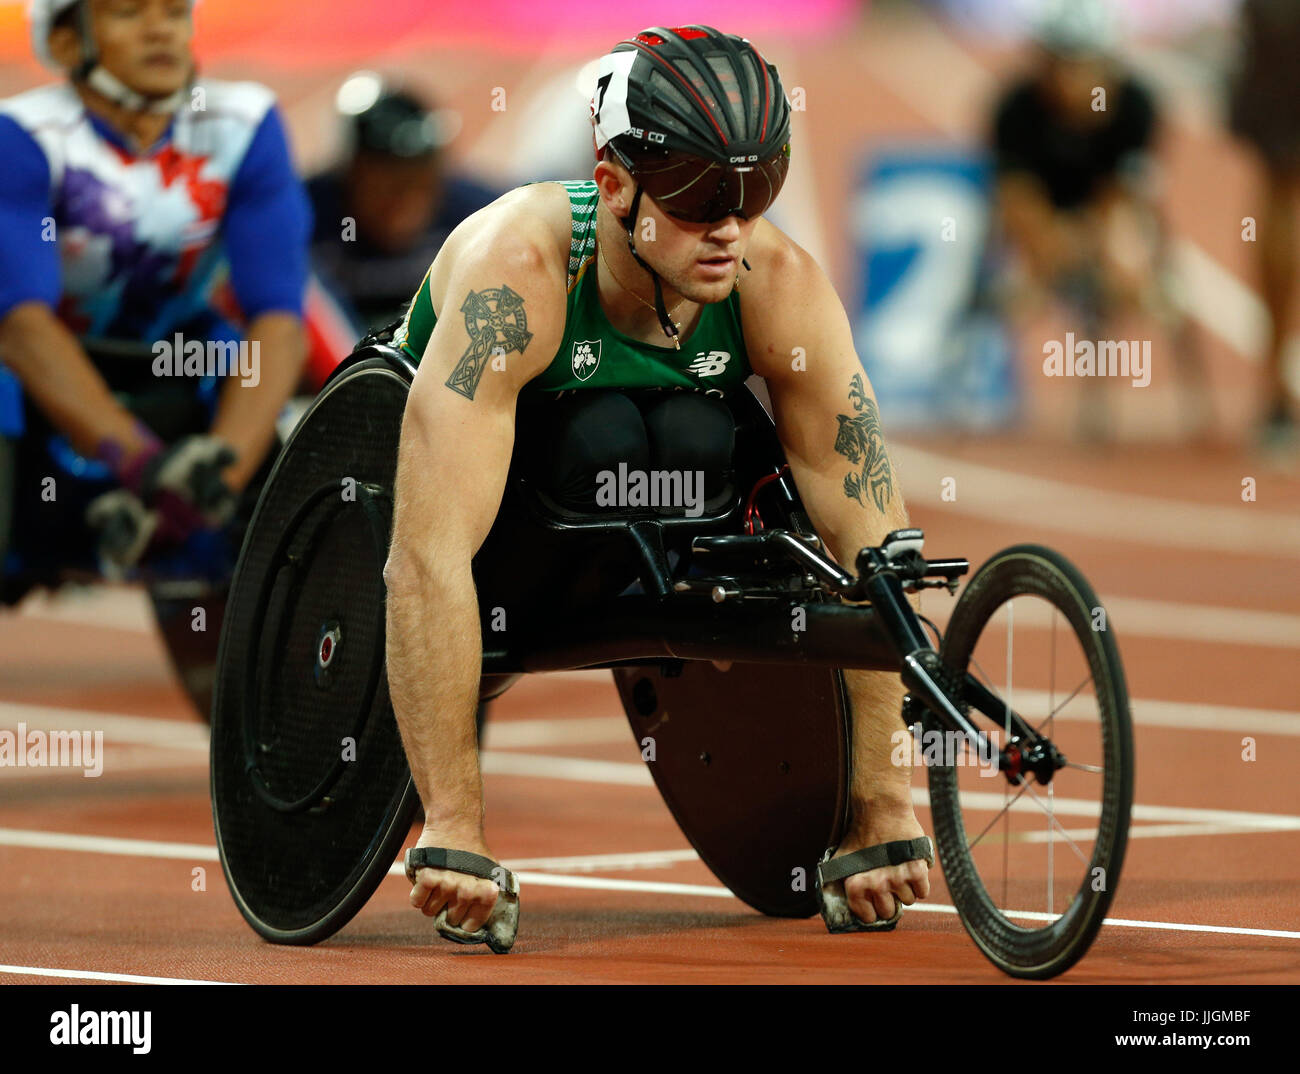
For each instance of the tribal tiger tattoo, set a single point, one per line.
(861, 441)
(496, 324)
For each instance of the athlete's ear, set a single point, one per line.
(65, 47)
(614, 185)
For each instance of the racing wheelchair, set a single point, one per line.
(727, 635)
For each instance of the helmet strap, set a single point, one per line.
(629, 222)
(108, 85)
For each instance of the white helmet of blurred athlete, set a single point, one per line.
(1074, 28)
(42, 14)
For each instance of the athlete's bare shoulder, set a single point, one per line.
(790, 312)
(529, 223)
(782, 276)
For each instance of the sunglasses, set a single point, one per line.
(699, 191)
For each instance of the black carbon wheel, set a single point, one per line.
(311, 794)
(993, 851)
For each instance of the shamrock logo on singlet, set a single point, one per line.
(586, 357)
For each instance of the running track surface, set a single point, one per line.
(1203, 590)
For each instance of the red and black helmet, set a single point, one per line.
(699, 117)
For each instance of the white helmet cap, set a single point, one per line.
(42, 14)
(1076, 27)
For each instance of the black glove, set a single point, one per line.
(125, 528)
(183, 483)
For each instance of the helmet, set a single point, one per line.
(42, 15)
(1075, 29)
(698, 117)
(395, 123)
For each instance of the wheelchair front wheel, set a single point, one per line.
(1032, 869)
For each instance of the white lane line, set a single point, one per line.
(117, 728)
(594, 730)
(560, 731)
(1169, 926)
(1138, 616)
(646, 859)
(635, 773)
(713, 891)
(1035, 504)
(1132, 615)
(105, 844)
(1140, 831)
(143, 848)
(105, 606)
(1081, 807)
(578, 769)
(96, 975)
(1203, 622)
(117, 760)
(1034, 705)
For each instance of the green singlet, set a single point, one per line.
(596, 355)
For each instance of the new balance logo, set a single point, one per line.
(709, 365)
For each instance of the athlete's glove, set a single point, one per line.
(190, 471)
(182, 484)
(125, 528)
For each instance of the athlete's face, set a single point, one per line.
(393, 201)
(144, 43)
(698, 261)
(1071, 85)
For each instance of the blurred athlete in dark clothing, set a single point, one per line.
(1266, 112)
(384, 213)
(1072, 141)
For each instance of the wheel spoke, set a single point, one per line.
(997, 818)
(983, 675)
(1051, 816)
(1073, 693)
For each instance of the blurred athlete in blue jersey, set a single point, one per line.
(141, 207)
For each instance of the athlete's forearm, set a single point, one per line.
(854, 499)
(876, 697)
(434, 662)
(249, 405)
(60, 379)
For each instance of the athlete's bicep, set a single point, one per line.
(502, 318)
(825, 411)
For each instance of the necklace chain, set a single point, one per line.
(649, 305)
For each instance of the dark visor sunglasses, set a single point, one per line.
(700, 191)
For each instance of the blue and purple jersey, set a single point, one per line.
(201, 233)
(211, 223)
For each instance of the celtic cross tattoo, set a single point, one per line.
(496, 324)
(861, 441)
